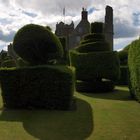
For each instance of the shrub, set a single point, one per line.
(97, 27)
(90, 40)
(134, 69)
(8, 63)
(123, 56)
(93, 46)
(94, 86)
(100, 36)
(90, 66)
(93, 59)
(49, 87)
(37, 45)
(124, 76)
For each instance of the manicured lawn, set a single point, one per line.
(106, 116)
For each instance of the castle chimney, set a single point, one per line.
(84, 14)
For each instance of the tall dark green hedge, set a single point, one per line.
(37, 45)
(134, 69)
(90, 66)
(49, 87)
(94, 61)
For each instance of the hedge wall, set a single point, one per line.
(93, 65)
(49, 87)
(134, 69)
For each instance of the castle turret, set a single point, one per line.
(109, 26)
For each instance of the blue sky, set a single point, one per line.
(16, 13)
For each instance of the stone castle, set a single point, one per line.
(74, 35)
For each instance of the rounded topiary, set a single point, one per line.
(37, 45)
(95, 41)
(94, 36)
(93, 46)
(97, 27)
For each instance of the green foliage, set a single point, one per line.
(93, 36)
(37, 45)
(93, 59)
(124, 76)
(97, 27)
(134, 68)
(94, 86)
(90, 66)
(49, 87)
(93, 47)
(48, 28)
(8, 63)
(123, 56)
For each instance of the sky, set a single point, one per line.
(16, 13)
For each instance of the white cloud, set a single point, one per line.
(16, 13)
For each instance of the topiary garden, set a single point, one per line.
(96, 66)
(37, 82)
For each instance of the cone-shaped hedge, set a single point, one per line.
(94, 61)
(37, 45)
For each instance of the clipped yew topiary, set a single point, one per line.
(37, 82)
(134, 69)
(94, 62)
(46, 86)
(37, 45)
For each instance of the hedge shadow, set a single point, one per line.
(63, 125)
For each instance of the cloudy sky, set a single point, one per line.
(16, 13)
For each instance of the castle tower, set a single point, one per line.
(108, 29)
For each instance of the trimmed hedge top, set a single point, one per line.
(97, 27)
(95, 41)
(37, 45)
(90, 66)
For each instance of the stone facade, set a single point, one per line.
(74, 35)
(108, 27)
